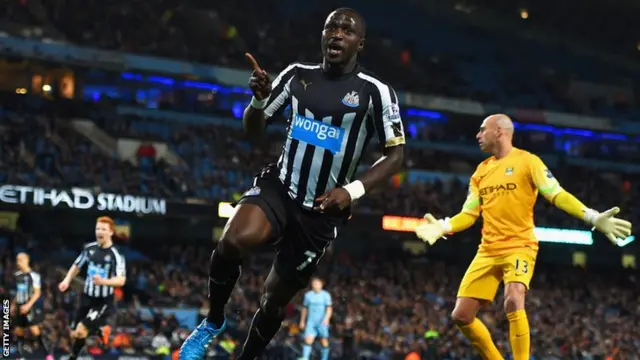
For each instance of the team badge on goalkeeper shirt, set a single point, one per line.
(509, 171)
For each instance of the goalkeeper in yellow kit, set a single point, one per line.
(504, 189)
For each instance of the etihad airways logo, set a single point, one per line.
(493, 189)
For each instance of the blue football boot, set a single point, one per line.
(196, 345)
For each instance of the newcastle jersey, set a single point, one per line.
(26, 283)
(105, 262)
(331, 123)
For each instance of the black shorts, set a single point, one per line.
(301, 236)
(35, 316)
(93, 313)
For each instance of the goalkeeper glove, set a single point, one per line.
(433, 229)
(612, 227)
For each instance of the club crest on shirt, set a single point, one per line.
(107, 258)
(351, 99)
(509, 171)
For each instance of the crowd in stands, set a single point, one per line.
(137, 327)
(459, 60)
(44, 150)
(412, 298)
(615, 21)
(218, 163)
(210, 33)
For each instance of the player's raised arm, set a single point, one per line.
(612, 227)
(267, 98)
(433, 229)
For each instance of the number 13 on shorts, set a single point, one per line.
(519, 268)
(522, 267)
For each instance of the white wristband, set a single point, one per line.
(355, 189)
(590, 215)
(446, 225)
(259, 104)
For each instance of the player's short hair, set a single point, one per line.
(107, 220)
(316, 277)
(356, 14)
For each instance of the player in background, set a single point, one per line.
(504, 189)
(104, 269)
(28, 314)
(314, 318)
(301, 202)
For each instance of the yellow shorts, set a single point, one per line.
(483, 277)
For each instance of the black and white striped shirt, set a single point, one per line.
(26, 283)
(106, 262)
(331, 123)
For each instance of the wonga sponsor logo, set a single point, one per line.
(317, 133)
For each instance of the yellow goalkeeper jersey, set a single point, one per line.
(504, 192)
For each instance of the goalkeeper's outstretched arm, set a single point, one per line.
(568, 203)
(550, 188)
(434, 229)
(459, 222)
(469, 213)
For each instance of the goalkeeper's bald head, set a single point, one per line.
(504, 123)
(496, 132)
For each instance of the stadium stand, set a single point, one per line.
(414, 307)
(218, 164)
(463, 61)
(577, 312)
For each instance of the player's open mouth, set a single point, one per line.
(334, 49)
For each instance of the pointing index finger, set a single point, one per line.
(254, 63)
